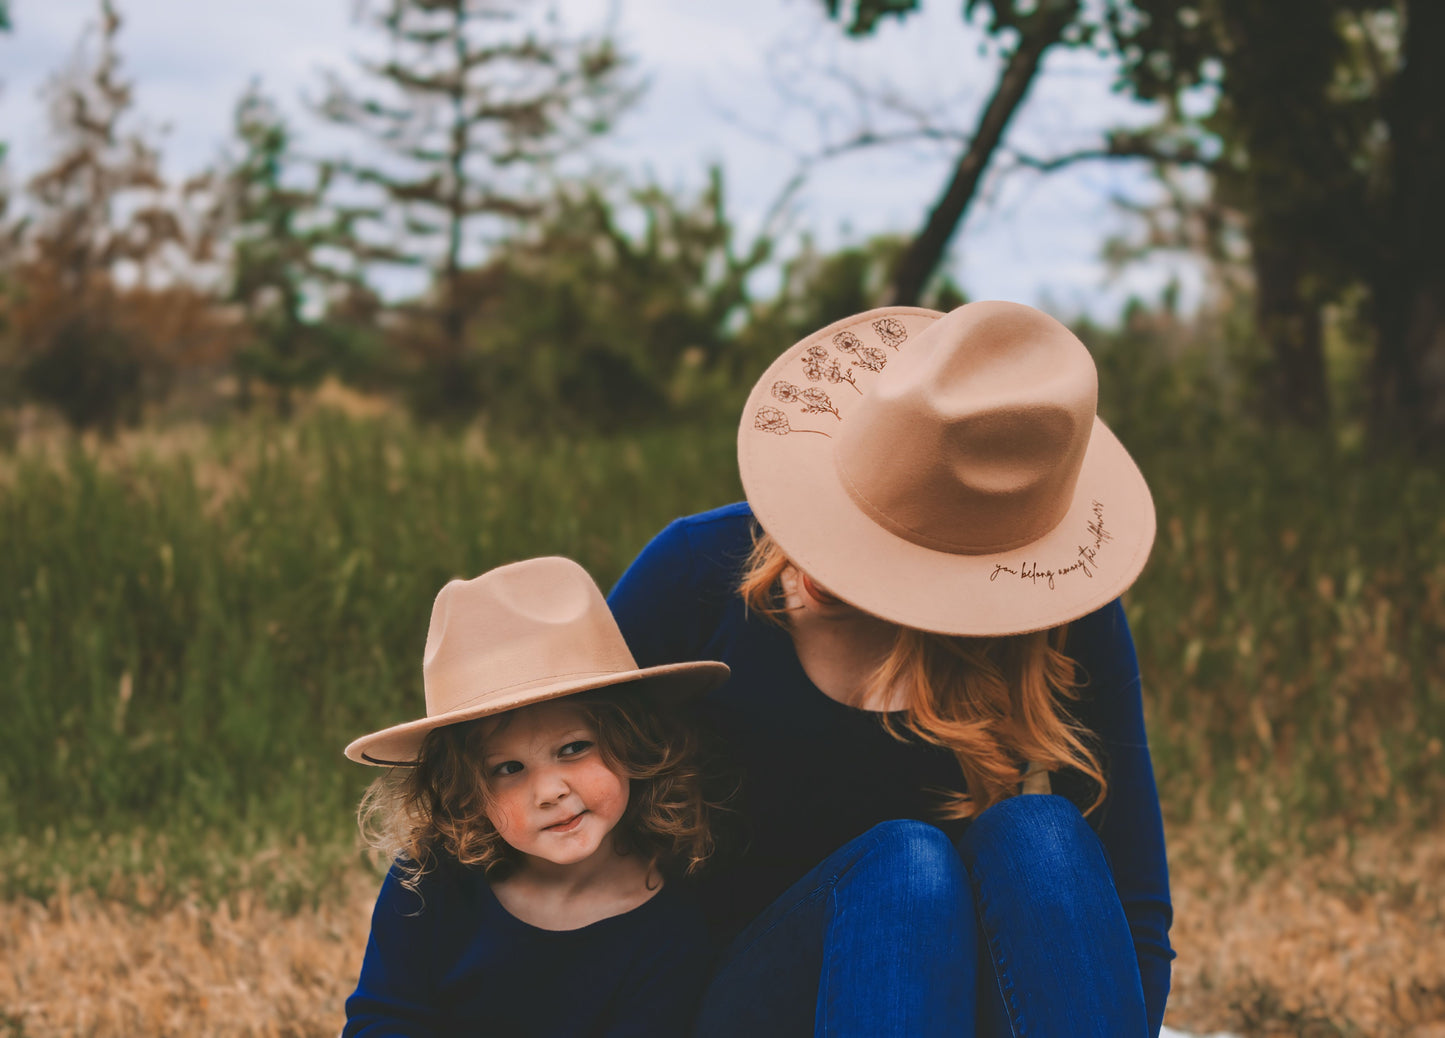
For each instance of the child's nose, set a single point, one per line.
(551, 787)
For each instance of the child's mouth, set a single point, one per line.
(566, 825)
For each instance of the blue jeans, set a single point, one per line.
(1016, 931)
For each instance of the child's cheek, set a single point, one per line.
(601, 789)
(504, 816)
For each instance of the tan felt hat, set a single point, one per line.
(516, 635)
(947, 472)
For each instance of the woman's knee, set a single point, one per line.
(911, 855)
(1038, 844)
(1051, 824)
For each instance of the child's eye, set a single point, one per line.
(572, 749)
(507, 767)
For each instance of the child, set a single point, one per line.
(534, 816)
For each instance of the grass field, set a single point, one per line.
(198, 623)
(197, 620)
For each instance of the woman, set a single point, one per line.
(919, 606)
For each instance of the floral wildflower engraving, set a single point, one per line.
(815, 401)
(1086, 561)
(771, 420)
(891, 331)
(813, 363)
(818, 364)
(834, 374)
(869, 357)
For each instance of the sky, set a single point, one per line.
(755, 86)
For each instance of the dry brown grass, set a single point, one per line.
(1351, 942)
(83, 966)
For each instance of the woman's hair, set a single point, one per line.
(412, 814)
(999, 703)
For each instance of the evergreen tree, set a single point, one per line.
(9, 242)
(74, 349)
(615, 309)
(275, 225)
(4, 27)
(102, 310)
(472, 108)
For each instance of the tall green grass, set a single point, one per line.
(192, 629)
(1291, 628)
(192, 632)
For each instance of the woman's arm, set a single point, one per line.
(1132, 830)
(671, 600)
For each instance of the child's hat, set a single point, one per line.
(947, 472)
(516, 635)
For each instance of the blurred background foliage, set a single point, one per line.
(233, 472)
(556, 286)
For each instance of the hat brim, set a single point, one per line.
(1088, 559)
(398, 745)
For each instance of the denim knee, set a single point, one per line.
(914, 856)
(1051, 824)
(1040, 842)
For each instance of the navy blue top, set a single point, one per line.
(453, 961)
(817, 773)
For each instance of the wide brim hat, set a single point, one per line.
(521, 634)
(947, 472)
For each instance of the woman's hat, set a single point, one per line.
(947, 472)
(516, 635)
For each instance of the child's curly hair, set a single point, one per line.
(411, 814)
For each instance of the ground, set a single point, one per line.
(1346, 942)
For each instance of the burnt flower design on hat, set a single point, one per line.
(974, 460)
(1085, 562)
(818, 365)
(786, 392)
(891, 331)
(870, 357)
(771, 420)
(814, 401)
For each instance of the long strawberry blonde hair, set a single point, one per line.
(998, 703)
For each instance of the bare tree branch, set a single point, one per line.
(1132, 146)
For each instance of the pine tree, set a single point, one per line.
(106, 302)
(75, 352)
(275, 226)
(4, 27)
(473, 107)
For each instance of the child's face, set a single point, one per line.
(550, 795)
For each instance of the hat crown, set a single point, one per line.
(972, 441)
(531, 623)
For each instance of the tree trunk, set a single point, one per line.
(926, 251)
(1289, 321)
(1408, 391)
(1293, 186)
(453, 317)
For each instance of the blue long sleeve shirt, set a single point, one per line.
(817, 773)
(448, 959)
